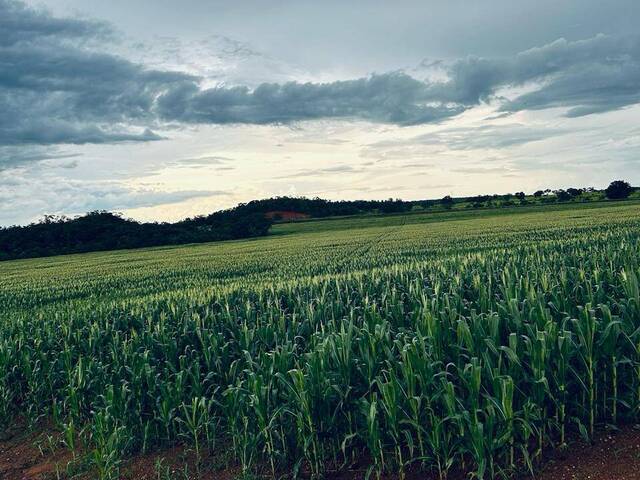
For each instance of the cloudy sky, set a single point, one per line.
(163, 111)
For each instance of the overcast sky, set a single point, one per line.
(163, 111)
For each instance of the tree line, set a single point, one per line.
(102, 230)
(617, 190)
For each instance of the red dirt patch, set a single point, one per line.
(21, 459)
(286, 215)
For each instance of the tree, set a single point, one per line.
(563, 195)
(479, 198)
(538, 193)
(575, 192)
(618, 189)
(447, 201)
(520, 195)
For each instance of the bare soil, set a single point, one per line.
(614, 455)
(39, 455)
(32, 454)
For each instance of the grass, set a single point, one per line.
(421, 341)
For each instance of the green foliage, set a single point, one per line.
(618, 189)
(477, 341)
(99, 231)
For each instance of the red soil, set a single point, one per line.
(286, 215)
(32, 455)
(144, 467)
(613, 456)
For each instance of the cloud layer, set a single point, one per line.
(56, 90)
(388, 98)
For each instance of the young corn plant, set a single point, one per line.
(585, 327)
(109, 440)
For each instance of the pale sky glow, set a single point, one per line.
(161, 112)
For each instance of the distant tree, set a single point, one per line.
(446, 201)
(479, 198)
(507, 196)
(618, 189)
(575, 192)
(562, 195)
(538, 193)
(520, 195)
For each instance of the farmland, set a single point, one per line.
(421, 342)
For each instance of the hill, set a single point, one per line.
(101, 230)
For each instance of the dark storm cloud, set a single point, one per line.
(55, 90)
(52, 132)
(19, 23)
(388, 98)
(589, 76)
(594, 75)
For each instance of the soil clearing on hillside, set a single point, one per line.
(38, 455)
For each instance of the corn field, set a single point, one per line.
(417, 345)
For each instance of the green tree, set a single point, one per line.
(618, 189)
(447, 201)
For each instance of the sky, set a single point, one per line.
(163, 111)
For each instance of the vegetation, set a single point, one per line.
(319, 208)
(102, 230)
(107, 231)
(474, 339)
(618, 189)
